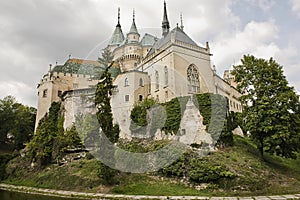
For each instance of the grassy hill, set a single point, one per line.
(252, 176)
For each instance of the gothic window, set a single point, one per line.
(193, 79)
(156, 80)
(126, 82)
(166, 76)
(141, 82)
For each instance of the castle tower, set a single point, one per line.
(133, 36)
(118, 37)
(129, 53)
(165, 22)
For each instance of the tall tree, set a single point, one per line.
(16, 121)
(102, 100)
(106, 59)
(271, 106)
(105, 119)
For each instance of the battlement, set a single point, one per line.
(51, 76)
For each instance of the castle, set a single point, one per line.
(149, 67)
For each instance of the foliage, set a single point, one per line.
(216, 117)
(271, 107)
(139, 112)
(50, 140)
(105, 60)
(105, 119)
(213, 108)
(166, 116)
(197, 169)
(104, 112)
(174, 109)
(41, 147)
(140, 116)
(4, 159)
(17, 121)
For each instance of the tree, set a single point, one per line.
(105, 119)
(106, 59)
(271, 106)
(102, 101)
(17, 121)
(43, 148)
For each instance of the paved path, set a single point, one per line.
(82, 195)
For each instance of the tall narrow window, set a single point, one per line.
(166, 76)
(141, 82)
(126, 98)
(126, 82)
(193, 79)
(156, 80)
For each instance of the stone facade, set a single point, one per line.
(151, 67)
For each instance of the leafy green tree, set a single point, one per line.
(271, 106)
(17, 121)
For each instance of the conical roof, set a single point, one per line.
(133, 28)
(118, 36)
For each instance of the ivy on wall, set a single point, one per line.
(148, 116)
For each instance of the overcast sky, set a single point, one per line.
(35, 33)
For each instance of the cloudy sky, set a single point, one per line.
(35, 33)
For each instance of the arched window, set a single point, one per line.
(156, 80)
(126, 82)
(141, 82)
(193, 79)
(166, 76)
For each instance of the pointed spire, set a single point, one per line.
(165, 22)
(119, 18)
(133, 28)
(181, 21)
(118, 36)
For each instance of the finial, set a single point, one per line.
(50, 67)
(181, 20)
(70, 56)
(119, 16)
(207, 45)
(165, 22)
(133, 15)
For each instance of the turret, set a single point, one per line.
(118, 37)
(165, 22)
(133, 36)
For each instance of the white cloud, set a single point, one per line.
(24, 93)
(296, 6)
(256, 38)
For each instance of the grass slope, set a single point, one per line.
(272, 176)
